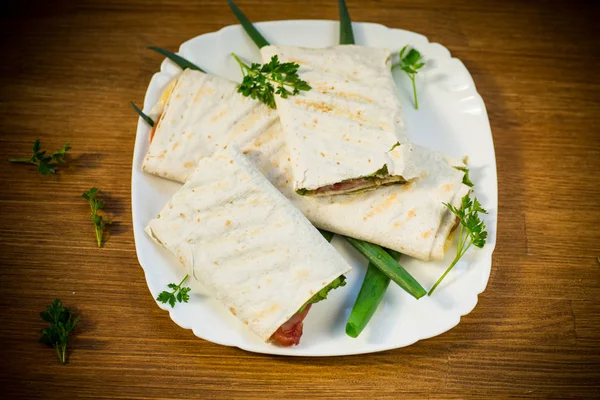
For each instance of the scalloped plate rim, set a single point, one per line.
(487, 255)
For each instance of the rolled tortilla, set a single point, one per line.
(407, 218)
(346, 134)
(198, 102)
(243, 240)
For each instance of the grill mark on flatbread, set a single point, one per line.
(326, 73)
(326, 108)
(339, 108)
(380, 207)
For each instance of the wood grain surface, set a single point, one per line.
(67, 72)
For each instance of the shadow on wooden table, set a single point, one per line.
(83, 161)
(116, 210)
(86, 326)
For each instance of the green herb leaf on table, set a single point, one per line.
(472, 230)
(61, 323)
(46, 163)
(178, 294)
(410, 64)
(145, 117)
(259, 80)
(177, 59)
(96, 206)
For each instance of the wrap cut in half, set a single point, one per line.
(245, 242)
(204, 112)
(198, 102)
(345, 134)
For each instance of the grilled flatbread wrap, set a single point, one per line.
(198, 102)
(243, 240)
(346, 134)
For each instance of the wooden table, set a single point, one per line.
(67, 73)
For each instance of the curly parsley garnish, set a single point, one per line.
(179, 294)
(46, 163)
(259, 79)
(61, 324)
(472, 230)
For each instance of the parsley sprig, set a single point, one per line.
(259, 80)
(96, 205)
(61, 323)
(410, 64)
(179, 294)
(472, 230)
(46, 163)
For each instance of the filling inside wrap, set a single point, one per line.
(354, 185)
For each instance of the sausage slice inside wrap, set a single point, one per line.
(248, 245)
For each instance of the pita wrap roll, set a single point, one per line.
(346, 134)
(243, 240)
(407, 218)
(200, 102)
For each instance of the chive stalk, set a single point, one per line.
(386, 264)
(180, 61)
(370, 295)
(145, 117)
(326, 234)
(254, 34)
(346, 32)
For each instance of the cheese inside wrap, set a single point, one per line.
(346, 134)
(244, 241)
(407, 218)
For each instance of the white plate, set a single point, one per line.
(452, 118)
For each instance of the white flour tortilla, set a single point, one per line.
(407, 218)
(245, 242)
(345, 127)
(199, 102)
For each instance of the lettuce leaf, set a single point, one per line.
(322, 294)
